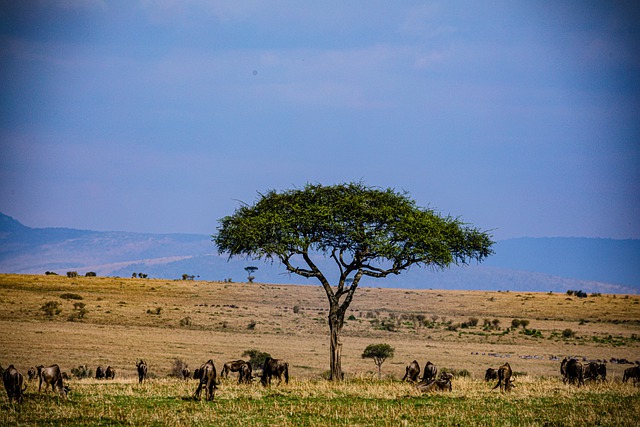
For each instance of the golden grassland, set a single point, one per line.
(163, 320)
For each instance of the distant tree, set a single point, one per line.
(379, 353)
(366, 231)
(250, 271)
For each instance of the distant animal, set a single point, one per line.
(595, 371)
(412, 372)
(246, 374)
(13, 383)
(434, 385)
(109, 373)
(32, 373)
(572, 371)
(197, 374)
(186, 372)
(446, 376)
(504, 378)
(208, 379)
(274, 367)
(491, 374)
(100, 373)
(141, 365)
(429, 372)
(632, 373)
(52, 376)
(72, 274)
(232, 366)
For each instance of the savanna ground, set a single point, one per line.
(123, 320)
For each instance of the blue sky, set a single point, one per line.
(522, 117)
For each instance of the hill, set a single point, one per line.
(547, 264)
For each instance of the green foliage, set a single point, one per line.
(378, 352)
(82, 371)
(256, 358)
(51, 308)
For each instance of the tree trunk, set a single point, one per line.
(335, 326)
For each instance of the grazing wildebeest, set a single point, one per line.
(573, 371)
(412, 372)
(434, 385)
(632, 373)
(208, 379)
(141, 365)
(100, 373)
(595, 371)
(491, 374)
(13, 382)
(186, 373)
(429, 372)
(109, 373)
(32, 373)
(274, 367)
(504, 377)
(246, 374)
(51, 375)
(233, 366)
(446, 376)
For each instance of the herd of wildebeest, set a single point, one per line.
(572, 370)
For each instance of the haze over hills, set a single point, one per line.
(523, 264)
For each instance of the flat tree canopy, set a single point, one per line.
(366, 231)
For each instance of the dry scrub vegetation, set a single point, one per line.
(114, 321)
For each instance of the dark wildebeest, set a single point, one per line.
(632, 373)
(274, 367)
(434, 385)
(142, 370)
(595, 371)
(446, 376)
(491, 374)
(233, 366)
(100, 373)
(573, 371)
(32, 373)
(51, 375)
(109, 373)
(246, 374)
(429, 372)
(208, 379)
(412, 372)
(13, 382)
(504, 377)
(186, 373)
(197, 374)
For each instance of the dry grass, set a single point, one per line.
(123, 323)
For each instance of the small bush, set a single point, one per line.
(296, 309)
(155, 311)
(82, 371)
(69, 296)
(256, 358)
(568, 333)
(252, 325)
(177, 367)
(515, 323)
(51, 308)
(186, 321)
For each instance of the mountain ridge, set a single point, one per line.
(534, 264)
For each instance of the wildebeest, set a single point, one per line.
(274, 367)
(246, 374)
(233, 366)
(100, 373)
(429, 372)
(434, 385)
(141, 365)
(32, 373)
(595, 371)
(186, 373)
(51, 375)
(412, 372)
(446, 376)
(631, 373)
(197, 374)
(504, 377)
(572, 371)
(13, 382)
(208, 379)
(491, 374)
(109, 373)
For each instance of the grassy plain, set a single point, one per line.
(163, 320)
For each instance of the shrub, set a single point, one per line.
(177, 367)
(256, 358)
(186, 321)
(524, 323)
(79, 311)
(156, 311)
(51, 308)
(69, 296)
(82, 371)
(296, 309)
(515, 323)
(456, 372)
(252, 325)
(568, 333)
(473, 321)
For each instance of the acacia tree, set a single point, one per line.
(379, 353)
(366, 231)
